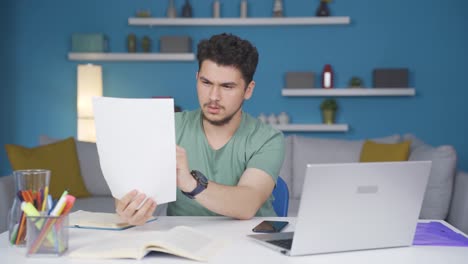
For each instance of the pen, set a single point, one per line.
(45, 198)
(60, 204)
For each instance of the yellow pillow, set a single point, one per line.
(375, 152)
(60, 158)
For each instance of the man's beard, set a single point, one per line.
(223, 121)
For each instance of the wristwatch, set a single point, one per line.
(202, 184)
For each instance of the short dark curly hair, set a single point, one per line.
(229, 50)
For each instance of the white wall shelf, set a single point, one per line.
(349, 92)
(313, 127)
(266, 21)
(80, 56)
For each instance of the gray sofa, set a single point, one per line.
(446, 196)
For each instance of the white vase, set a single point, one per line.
(171, 10)
(216, 9)
(272, 120)
(243, 9)
(262, 117)
(278, 8)
(283, 118)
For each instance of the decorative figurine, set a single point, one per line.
(262, 117)
(146, 44)
(131, 42)
(272, 120)
(283, 118)
(323, 10)
(171, 10)
(187, 9)
(278, 8)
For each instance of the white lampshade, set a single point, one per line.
(89, 85)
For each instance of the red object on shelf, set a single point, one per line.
(327, 76)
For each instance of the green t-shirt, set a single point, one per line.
(253, 145)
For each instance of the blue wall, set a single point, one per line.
(38, 95)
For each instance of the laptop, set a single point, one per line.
(355, 206)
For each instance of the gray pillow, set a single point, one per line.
(438, 194)
(89, 165)
(309, 150)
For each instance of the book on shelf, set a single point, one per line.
(93, 220)
(180, 241)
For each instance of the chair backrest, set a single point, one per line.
(281, 195)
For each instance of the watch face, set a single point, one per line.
(200, 177)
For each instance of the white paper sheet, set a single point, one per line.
(136, 146)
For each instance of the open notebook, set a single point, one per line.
(181, 241)
(92, 220)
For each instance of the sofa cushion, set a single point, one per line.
(89, 164)
(438, 194)
(381, 152)
(60, 158)
(309, 150)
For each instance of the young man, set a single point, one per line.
(227, 161)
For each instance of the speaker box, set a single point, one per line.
(175, 44)
(390, 78)
(300, 80)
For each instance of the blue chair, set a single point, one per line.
(281, 195)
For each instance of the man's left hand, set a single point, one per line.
(185, 181)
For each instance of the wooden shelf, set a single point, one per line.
(349, 92)
(131, 56)
(313, 127)
(266, 21)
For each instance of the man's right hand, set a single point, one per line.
(126, 208)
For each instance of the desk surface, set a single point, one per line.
(240, 249)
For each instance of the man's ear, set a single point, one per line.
(249, 90)
(196, 75)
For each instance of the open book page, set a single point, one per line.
(180, 241)
(86, 219)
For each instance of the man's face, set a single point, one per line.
(221, 92)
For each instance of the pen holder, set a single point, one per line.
(30, 186)
(47, 235)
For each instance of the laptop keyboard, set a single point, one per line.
(284, 243)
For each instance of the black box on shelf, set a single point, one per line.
(390, 78)
(300, 80)
(175, 44)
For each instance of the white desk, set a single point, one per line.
(240, 250)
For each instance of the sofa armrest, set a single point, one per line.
(7, 193)
(458, 215)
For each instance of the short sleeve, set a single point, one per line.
(270, 154)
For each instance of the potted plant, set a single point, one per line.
(355, 82)
(328, 107)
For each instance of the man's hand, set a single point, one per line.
(185, 180)
(126, 208)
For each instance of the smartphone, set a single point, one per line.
(270, 226)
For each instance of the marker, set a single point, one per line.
(45, 198)
(31, 211)
(60, 204)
